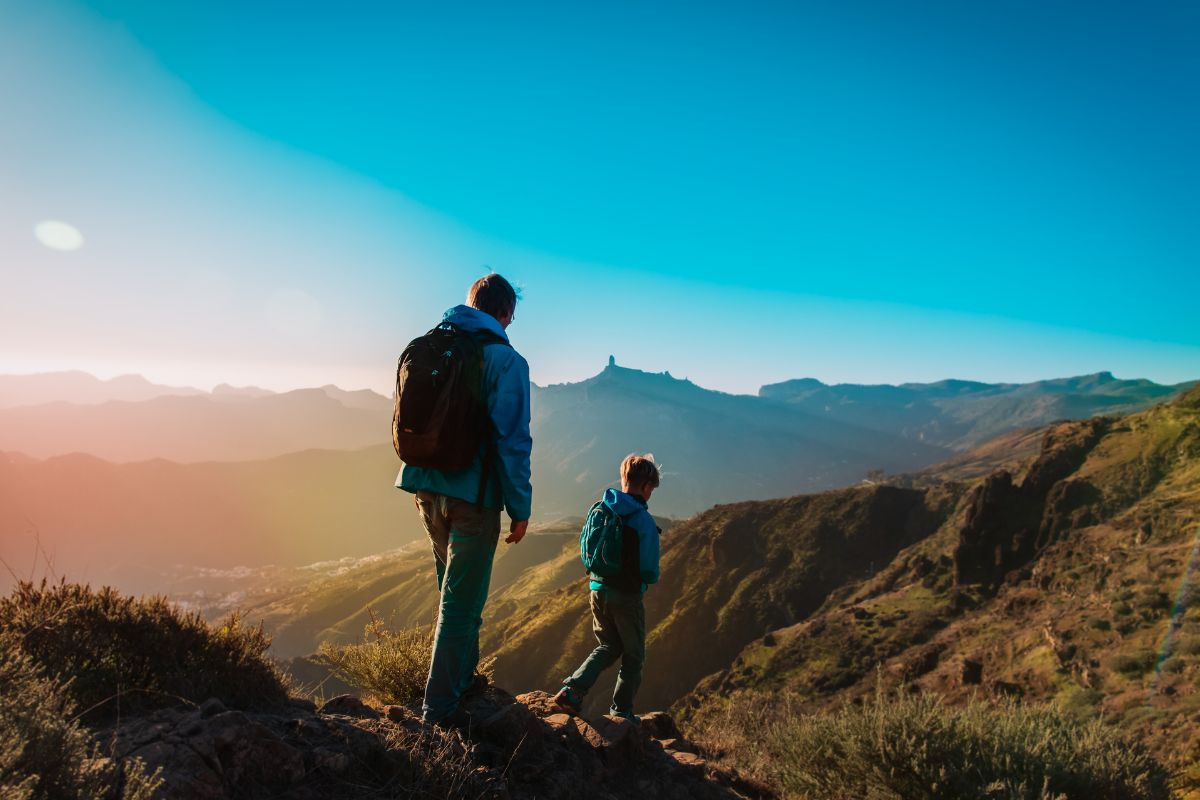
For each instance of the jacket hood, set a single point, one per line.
(472, 319)
(623, 503)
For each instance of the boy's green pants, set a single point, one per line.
(464, 544)
(619, 622)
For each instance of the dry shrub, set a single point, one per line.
(390, 666)
(44, 751)
(905, 747)
(120, 654)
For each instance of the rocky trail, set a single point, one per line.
(515, 747)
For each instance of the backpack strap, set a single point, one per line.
(488, 465)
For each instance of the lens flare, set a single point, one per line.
(1182, 599)
(58, 235)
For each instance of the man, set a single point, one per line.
(463, 526)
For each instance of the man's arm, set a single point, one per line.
(508, 407)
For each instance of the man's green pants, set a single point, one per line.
(464, 541)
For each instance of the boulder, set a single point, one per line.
(679, 746)
(539, 703)
(660, 725)
(349, 706)
(690, 762)
(510, 726)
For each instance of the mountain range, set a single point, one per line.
(123, 480)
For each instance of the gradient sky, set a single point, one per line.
(284, 195)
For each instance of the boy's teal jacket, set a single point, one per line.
(636, 514)
(506, 383)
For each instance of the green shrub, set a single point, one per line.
(389, 666)
(1122, 609)
(113, 651)
(897, 747)
(1101, 625)
(1133, 664)
(44, 751)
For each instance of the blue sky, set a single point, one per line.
(867, 192)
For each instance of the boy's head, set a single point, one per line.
(496, 296)
(639, 475)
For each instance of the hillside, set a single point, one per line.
(333, 600)
(1069, 580)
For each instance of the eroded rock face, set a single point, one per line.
(1008, 523)
(519, 747)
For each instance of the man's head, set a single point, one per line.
(639, 475)
(496, 296)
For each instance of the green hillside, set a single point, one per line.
(1069, 579)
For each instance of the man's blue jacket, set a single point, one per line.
(506, 385)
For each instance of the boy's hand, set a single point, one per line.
(516, 531)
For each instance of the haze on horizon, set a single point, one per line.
(208, 192)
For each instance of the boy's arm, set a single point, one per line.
(648, 549)
(508, 408)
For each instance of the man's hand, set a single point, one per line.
(516, 531)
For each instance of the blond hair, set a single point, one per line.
(638, 470)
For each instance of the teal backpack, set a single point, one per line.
(600, 541)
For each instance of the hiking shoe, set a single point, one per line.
(567, 700)
(459, 720)
(629, 715)
(479, 684)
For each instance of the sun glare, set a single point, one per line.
(58, 235)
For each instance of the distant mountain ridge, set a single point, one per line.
(714, 447)
(226, 425)
(796, 437)
(242, 476)
(76, 386)
(961, 414)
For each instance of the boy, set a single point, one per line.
(618, 616)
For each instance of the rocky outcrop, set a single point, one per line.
(1008, 523)
(521, 747)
